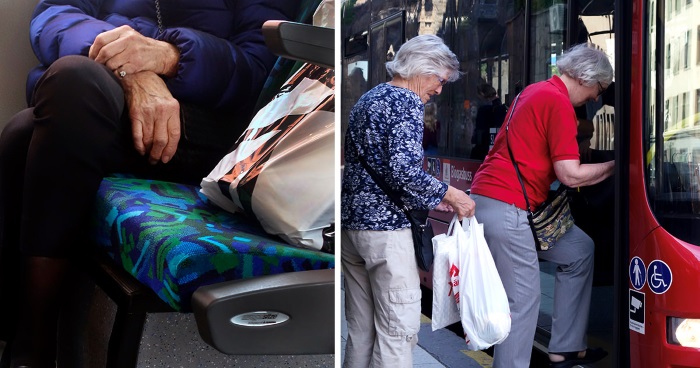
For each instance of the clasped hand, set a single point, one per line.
(457, 201)
(125, 50)
(154, 112)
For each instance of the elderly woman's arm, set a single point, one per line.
(222, 57)
(574, 174)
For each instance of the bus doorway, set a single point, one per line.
(593, 207)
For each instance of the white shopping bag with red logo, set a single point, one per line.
(446, 277)
(483, 303)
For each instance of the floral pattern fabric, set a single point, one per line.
(386, 127)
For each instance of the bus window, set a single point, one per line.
(494, 40)
(548, 27)
(385, 38)
(673, 132)
(547, 43)
(355, 76)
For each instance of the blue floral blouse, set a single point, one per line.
(386, 126)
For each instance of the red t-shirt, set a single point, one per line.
(542, 131)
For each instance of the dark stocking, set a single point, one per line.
(35, 343)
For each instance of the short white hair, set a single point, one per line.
(587, 63)
(424, 54)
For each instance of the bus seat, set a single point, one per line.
(674, 197)
(674, 184)
(255, 316)
(160, 242)
(170, 238)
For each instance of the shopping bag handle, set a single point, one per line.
(465, 223)
(452, 225)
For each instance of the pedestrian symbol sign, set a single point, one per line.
(659, 276)
(636, 311)
(638, 273)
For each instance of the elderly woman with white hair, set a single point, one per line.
(382, 287)
(541, 133)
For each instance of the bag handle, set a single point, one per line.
(455, 220)
(465, 224)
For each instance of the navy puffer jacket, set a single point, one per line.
(223, 57)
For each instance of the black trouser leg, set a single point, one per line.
(35, 342)
(14, 141)
(77, 134)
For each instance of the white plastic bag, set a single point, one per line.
(483, 301)
(445, 274)
(282, 170)
(324, 16)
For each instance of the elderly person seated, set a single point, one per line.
(162, 89)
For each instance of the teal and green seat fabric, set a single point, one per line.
(170, 238)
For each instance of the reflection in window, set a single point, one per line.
(697, 47)
(386, 36)
(673, 149)
(684, 109)
(548, 30)
(686, 50)
(696, 118)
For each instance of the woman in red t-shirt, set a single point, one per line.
(542, 136)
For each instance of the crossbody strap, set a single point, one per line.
(528, 210)
(512, 159)
(379, 181)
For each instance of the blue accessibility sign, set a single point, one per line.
(659, 276)
(638, 273)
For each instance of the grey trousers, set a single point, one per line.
(382, 298)
(510, 240)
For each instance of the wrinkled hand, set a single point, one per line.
(460, 202)
(443, 207)
(124, 49)
(155, 116)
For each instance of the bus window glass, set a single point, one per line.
(489, 80)
(385, 38)
(673, 155)
(356, 73)
(548, 39)
(487, 38)
(548, 25)
(597, 29)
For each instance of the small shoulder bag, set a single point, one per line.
(553, 218)
(421, 229)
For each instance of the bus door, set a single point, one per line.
(663, 269)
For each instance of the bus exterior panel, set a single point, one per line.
(651, 346)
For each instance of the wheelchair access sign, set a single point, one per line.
(659, 276)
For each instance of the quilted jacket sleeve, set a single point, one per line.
(213, 71)
(65, 27)
(227, 71)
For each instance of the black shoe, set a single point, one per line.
(572, 359)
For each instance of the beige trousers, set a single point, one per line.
(382, 298)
